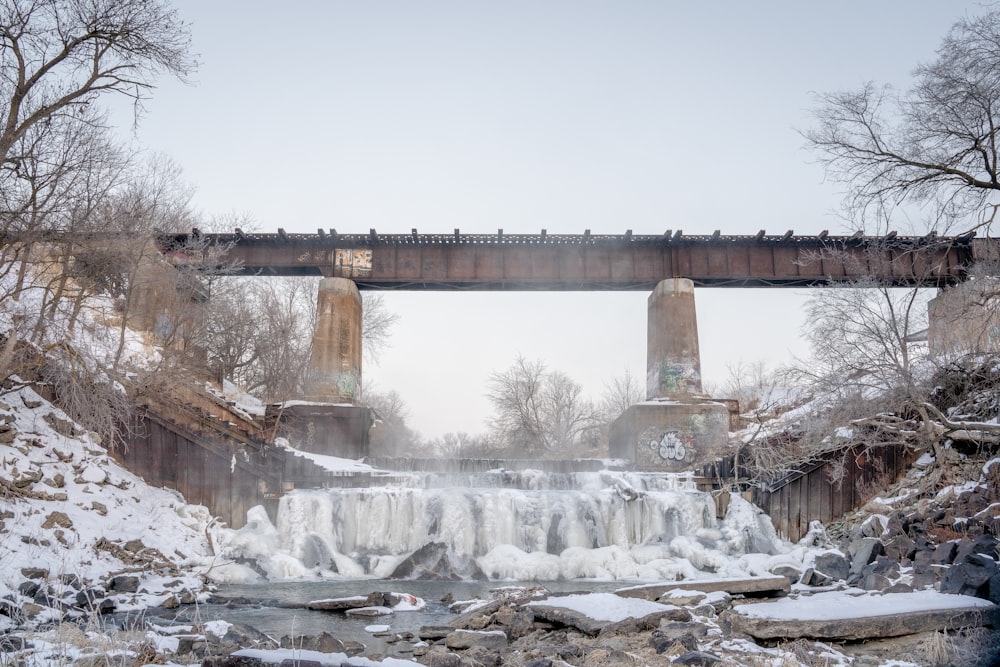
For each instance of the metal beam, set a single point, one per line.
(589, 261)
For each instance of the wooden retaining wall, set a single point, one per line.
(810, 494)
(226, 475)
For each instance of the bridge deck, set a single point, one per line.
(584, 261)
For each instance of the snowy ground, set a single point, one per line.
(69, 510)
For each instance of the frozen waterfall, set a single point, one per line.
(505, 525)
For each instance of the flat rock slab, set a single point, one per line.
(844, 615)
(341, 604)
(466, 639)
(593, 612)
(753, 586)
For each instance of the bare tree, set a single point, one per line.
(392, 435)
(57, 57)
(258, 332)
(936, 143)
(457, 444)
(620, 393)
(541, 412)
(376, 326)
(866, 337)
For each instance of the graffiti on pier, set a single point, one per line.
(348, 383)
(677, 377)
(673, 446)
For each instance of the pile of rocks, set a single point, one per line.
(44, 598)
(946, 539)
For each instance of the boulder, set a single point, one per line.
(345, 603)
(899, 547)
(57, 519)
(124, 584)
(813, 577)
(234, 660)
(791, 573)
(944, 554)
(982, 544)
(441, 658)
(515, 621)
(466, 639)
(971, 576)
(431, 561)
(681, 644)
(864, 551)
(697, 659)
(682, 598)
(28, 588)
(368, 611)
(323, 643)
(674, 629)
(833, 564)
(873, 581)
(432, 633)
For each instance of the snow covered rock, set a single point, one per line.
(849, 616)
(605, 613)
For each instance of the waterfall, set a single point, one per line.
(526, 525)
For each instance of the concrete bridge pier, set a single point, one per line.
(328, 420)
(334, 374)
(673, 361)
(678, 428)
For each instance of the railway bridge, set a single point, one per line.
(584, 261)
(678, 427)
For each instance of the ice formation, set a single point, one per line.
(528, 525)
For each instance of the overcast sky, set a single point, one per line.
(524, 115)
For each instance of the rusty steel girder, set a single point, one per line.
(581, 261)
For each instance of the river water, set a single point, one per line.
(270, 612)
